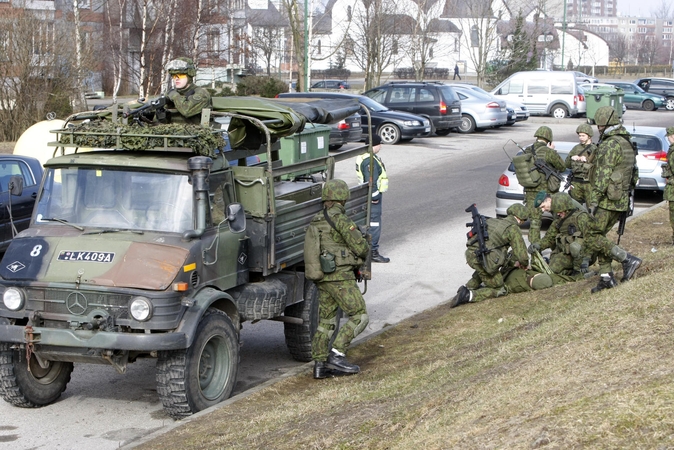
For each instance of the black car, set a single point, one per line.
(436, 101)
(30, 171)
(331, 84)
(391, 126)
(660, 86)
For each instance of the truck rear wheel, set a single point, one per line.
(34, 388)
(298, 337)
(203, 375)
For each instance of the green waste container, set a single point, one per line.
(310, 143)
(603, 96)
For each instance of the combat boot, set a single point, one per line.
(630, 265)
(606, 282)
(338, 362)
(463, 295)
(376, 257)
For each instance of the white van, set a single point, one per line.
(543, 92)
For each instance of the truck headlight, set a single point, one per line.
(14, 299)
(140, 308)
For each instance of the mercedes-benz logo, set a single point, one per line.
(76, 303)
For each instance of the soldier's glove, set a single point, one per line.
(172, 94)
(585, 266)
(533, 248)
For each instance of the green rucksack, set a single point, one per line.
(525, 170)
(312, 254)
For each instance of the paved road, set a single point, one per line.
(432, 181)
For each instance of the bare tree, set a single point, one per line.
(663, 10)
(423, 35)
(295, 12)
(267, 39)
(374, 40)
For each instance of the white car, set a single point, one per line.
(521, 111)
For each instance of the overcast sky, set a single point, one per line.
(641, 8)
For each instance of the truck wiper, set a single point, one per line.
(63, 221)
(113, 230)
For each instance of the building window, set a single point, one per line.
(642, 30)
(319, 46)
(213, 41)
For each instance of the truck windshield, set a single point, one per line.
(116, 199)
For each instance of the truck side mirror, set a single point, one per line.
(236, 216)
(16, 185)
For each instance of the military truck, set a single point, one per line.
(153, 245)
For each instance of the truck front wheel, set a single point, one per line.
(31, 388)
(203, 375)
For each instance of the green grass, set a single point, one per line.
(558, 369)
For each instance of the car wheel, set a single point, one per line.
(670, 104)
(467, 124)
(444, 132)
(559, 112)
(648, 105)
(389, 133)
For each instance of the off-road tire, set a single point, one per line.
(33, 389)
(298, 337)
(203, 375)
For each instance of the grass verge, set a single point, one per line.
(558, 368)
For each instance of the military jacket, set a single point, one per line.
(564, 231)
(581, 170)
(190, 100)
(551, 158)
(504, 233)
(344, 241)
(615, 172)
(669, 188)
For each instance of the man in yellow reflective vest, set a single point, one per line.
(379, 186)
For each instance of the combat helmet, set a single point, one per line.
(518, 210)
(335, 190)
(606, 116)
(585, 128)
(544, 133)
(561, 201)
(182, 65)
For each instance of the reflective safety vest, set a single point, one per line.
(381, 181)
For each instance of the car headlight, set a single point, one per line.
(14, 299)
(412, 123)
(140, 309)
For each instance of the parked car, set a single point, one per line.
(391, 126)
(480, 111)
(520, 109)
(652, 146)
(584, 78)
(331, 84)
(436, 101)
(543, 92)
(635, 97)
(510, 191)
(30, 170)
(660, 86)
(512, 117)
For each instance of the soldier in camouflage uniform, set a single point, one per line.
(615, 176)
(503, 234)
(341, 239)
(668, 174)
(565, 235)
(543, 149)
(580, 162)
(188, 98)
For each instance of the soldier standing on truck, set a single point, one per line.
(334, 248)
(541, 153)
(580, 162)
(188, 98)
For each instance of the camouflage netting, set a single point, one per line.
(104, 134)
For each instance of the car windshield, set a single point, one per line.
(371, 104)
(111, 198)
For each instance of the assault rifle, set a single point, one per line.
(478, 232)
(624, 215)
(548, 171)
(140, 115)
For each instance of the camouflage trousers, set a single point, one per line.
(597, 243)
(333, 295)
(535, 216)
(581, 191)
(671, 218)
(562, 264)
